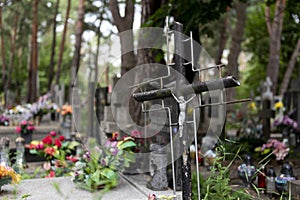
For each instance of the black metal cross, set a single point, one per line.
(184, 90)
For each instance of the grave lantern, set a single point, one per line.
(271, 174)
(20, 150)
(4, 151)
(78, 138)
(281, 181)
(247, 170)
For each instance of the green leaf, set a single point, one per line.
(108, 173)
(33, 151)
(127, 144)
(73, 144)
(96, 176)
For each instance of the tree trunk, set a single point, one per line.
(76, 58)
(3, 56)
(124, 24)
(32, 81)
(289, 70)
(223, 39)
(275, 30)
(99, 35)
(12, 53)
(52, 63)
(62, 43)
(235, 48)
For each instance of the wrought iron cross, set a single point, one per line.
(184, 93)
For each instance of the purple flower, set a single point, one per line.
(103, 162)
(87, 155)
(111, 143)
(114, 151)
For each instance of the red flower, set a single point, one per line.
(57, 142)
(31, 146)
(51, 174)
(61, 138)
(50, 151)
(72, 158)
(47, 140)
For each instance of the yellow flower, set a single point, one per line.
(9, 172)
(278, 105)
(252, 106)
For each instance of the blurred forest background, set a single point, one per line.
(44, 42)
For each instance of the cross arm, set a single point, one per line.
(227, 82)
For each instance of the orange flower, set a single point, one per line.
(66, 109)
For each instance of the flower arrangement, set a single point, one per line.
(57, 153)
(42, 106)
(52, 146)
(25, 128)
(8, 175)
(286, 121)
(4, 121)
(283, 122)
(98, 168)
(279, 149)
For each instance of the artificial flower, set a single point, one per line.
(50, 151)
(47, 140)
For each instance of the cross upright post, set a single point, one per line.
(186, 159)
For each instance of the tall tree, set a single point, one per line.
(33, 68)
(12, 51)
(52, 58)
(274, 29)
(2, 53)
(235, 46)
(77, 55)
(62, 43)
(124, 23)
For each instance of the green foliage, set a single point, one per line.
(257, 43)
(99, 169)
(191, 13)
(217, 185)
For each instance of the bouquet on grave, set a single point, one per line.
(97, 168)
(8, 176)
(25, 127)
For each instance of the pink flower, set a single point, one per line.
(135, 134)
(23, 122)
(40, 146)
(18, 129)
(52, 133)
(31, 128)
(47, 166)
(50, 151)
